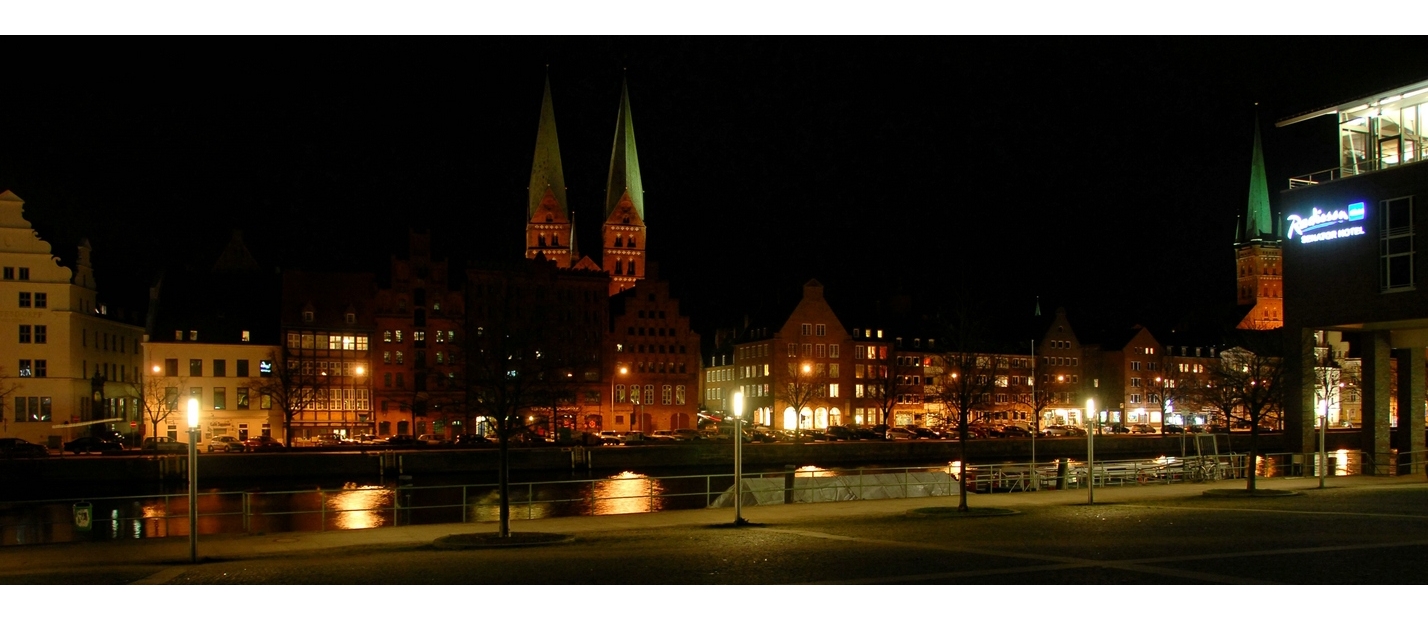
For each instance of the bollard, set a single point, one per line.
(788, 471)
(1060, 474)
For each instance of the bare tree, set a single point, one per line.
(803, 385)
(884, 389)
(289, 388)
(7, 387)
(961, 383)
(160, 398)
(515, 363)
(1247, 384)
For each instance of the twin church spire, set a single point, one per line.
(550, 231)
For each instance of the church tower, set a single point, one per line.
(1259, 276)
(624, 230)
(549, 230)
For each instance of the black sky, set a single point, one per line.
(1102, 174)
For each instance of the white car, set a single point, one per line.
(431, 440)
(225, 443)
(663, 436)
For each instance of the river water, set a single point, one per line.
(315, 505)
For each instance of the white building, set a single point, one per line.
(64, 362)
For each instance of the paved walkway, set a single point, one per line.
(175, 550)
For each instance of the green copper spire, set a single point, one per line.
(624, 161)
(545, 170)
(1259, 224)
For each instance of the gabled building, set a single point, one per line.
(420, 318)
(67, 364)
(653, 362)
(328, 321)
(1126, 364)
(1058, 373)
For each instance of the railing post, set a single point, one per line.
(322, 502)
(463, 504)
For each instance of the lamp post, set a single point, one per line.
(193, 480)
(1091, 455)
(738, 457)
(614, 377)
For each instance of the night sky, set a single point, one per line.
(1100, 174)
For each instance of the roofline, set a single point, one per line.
(1375, 99)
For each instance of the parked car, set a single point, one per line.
(1142, 429)
(838, 433)
(405, 441)
(686, 434)
(163, 444)
(1117, 429)
(330, 439)
(16, 448)
(863, 432)
(225, 443)
(924, 432)
(263, 443)
(898, 433)
(473, 441)
(634, 438)
(88, 444)
(432, 440)
(662, 436)
(1056, 430)
(1013, 431)
(611, 438)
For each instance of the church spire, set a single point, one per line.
(1259, 223)
(624, 177)
(546, 173)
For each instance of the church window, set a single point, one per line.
(541, 242)
(632, 242)
(619, 267)
(619, 241)
(555, 239)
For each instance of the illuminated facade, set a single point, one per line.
(549, 230)
(624, 228)
(1058, 371)
(328, 322)
(1356, 270)
(653, 369)
(211, 334)
(62, 348)
(419, 325)
(1259, 287)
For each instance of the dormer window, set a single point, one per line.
(309, 314)
(351, 318)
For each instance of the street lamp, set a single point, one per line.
(613, 378)
(738, 456)
(193, 480)
(1091, 455)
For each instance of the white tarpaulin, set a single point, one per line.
(808, 489)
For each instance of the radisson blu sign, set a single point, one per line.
(1323, 225)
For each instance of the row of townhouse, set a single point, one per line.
(803, 368)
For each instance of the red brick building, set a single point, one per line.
(653, 362)
(419, 318)
(328, 321)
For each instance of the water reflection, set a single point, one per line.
(625, 493)
(359, 507)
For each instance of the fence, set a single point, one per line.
(368, 506)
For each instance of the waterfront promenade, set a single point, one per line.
(1361, 530)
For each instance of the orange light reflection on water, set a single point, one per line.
(626, 493)
(359, 507)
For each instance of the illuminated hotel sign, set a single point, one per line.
(1325, 225)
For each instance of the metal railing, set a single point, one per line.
(362, 507)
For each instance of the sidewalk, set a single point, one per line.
(175, 550)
